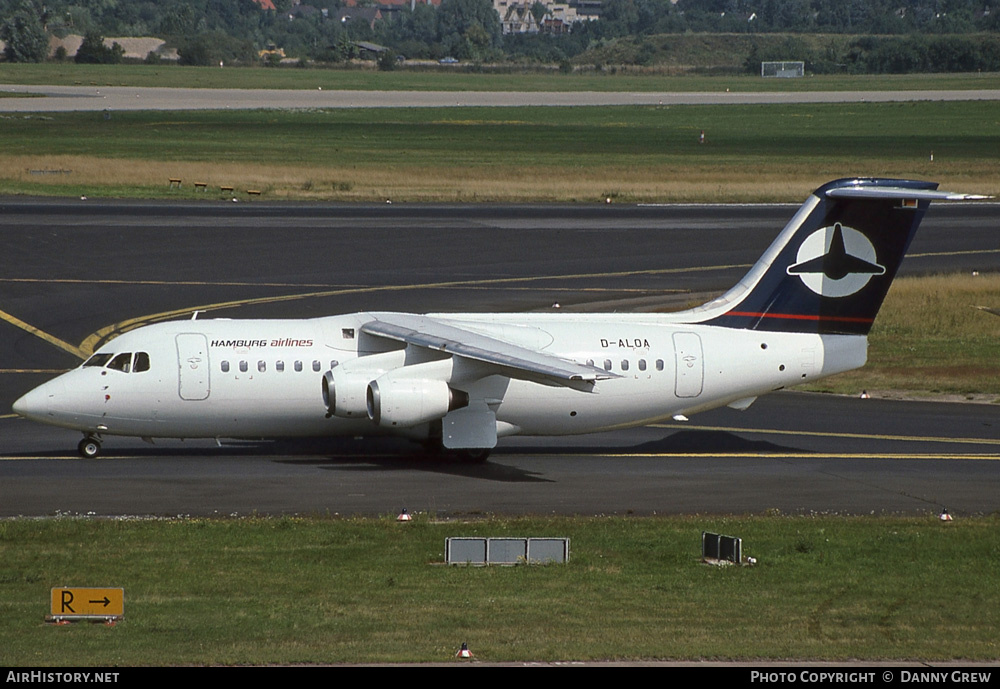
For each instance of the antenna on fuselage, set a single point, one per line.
(194, 316)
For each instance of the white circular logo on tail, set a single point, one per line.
(836, 261)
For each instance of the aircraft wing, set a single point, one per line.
(514, 360)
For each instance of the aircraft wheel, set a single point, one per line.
(472, 456)
(89, 448)
(438, 452)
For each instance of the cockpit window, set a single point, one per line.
(141, 362)
(98, 359)
(121, 362)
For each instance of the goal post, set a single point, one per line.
(785, 70)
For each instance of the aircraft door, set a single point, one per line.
(689, 365)
(192, 366)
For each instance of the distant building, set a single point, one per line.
(368, 50)
(516, 16)
(555, 27)
(301, 10)
(589, 10)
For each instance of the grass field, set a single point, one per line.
(328, 590)
(930, 338)
(752, 153)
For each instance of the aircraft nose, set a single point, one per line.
(38, 403)
(27, 405)
(21, 405)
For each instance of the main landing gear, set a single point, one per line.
(89, 447)
(435, 451)
(470, 456)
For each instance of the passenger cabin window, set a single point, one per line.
(642, 364)
(659, 364)
(624, 364)
(141, 362)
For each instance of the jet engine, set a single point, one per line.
(344, 393)
(404, 402)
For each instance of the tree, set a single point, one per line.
(477, 43)
(93, 51)
(387, 60)
(24, 36)
(178, 20)
(213, 47)
(457, 17)
(620, 17)
(538, 11)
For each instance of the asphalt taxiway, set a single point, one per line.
(791, 452)
(46, 98)
(77, 272)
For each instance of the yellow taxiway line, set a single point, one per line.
(66, 346)
(794, 455)
(629, 455)
(831, 434)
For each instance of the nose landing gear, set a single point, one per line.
(89, 447)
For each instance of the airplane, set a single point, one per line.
(460, 381)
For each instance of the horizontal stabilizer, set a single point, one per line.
(866, 192)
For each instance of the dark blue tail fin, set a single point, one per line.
(831, 267)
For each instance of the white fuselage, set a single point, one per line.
(461, 381)
(262, 378)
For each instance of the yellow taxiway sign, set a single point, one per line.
(86, 602)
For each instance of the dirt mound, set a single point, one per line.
(136, 48)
